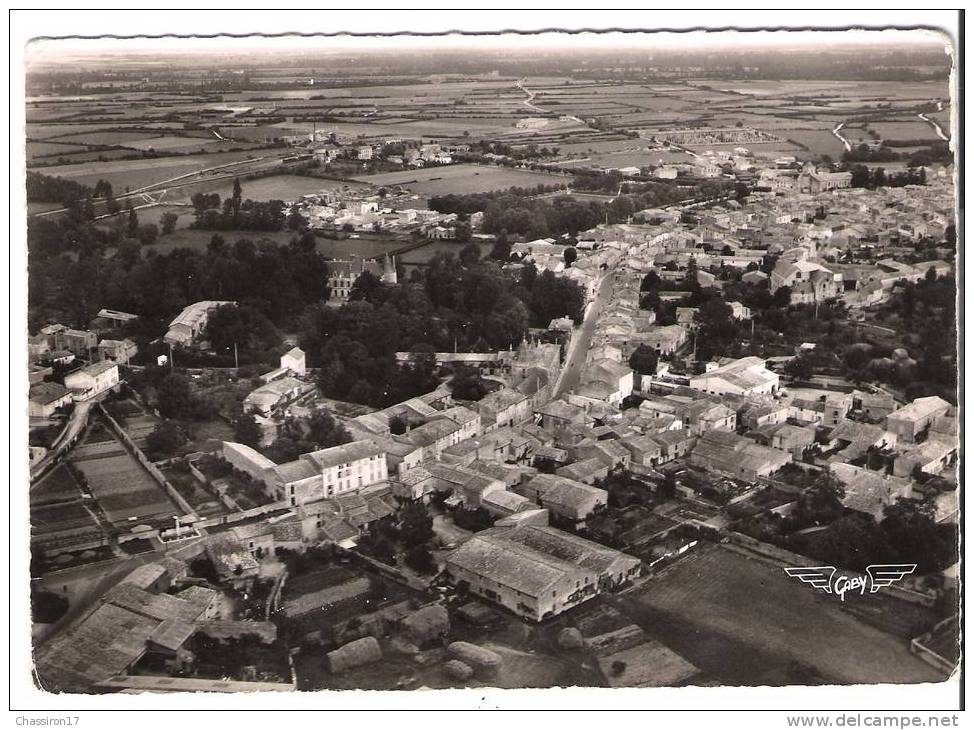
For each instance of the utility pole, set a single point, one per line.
(236, 362)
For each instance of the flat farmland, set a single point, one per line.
(52, 149)
(184, 144)
(905, 129)
(134, 174)
(818, 141)
(747, 622)
(282, 187)
(463, 178)
(106, 137)
(422, 255)
(123, 488)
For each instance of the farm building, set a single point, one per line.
(190, 323)
(537, 572)
(265, 399)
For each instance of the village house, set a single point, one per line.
(867, 491)
(435, 436)
(784, 436)
(504, 407)
(912, 419)
(80, 343)
(587, 470)
(568, 499)
(45, 398)
(118, 350)
(736, 455)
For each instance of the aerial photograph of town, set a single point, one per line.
(374, 365)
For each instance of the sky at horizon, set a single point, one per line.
(731, 40)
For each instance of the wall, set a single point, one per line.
(149, 466)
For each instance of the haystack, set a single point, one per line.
(474, 655)
(458, 670)
(356, 653)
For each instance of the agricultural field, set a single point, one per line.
(135, 174)
(464, 178)
(278, 187)
(422, 255)
(73, 517)
(788, 633)
(124, 489)
(41, 150)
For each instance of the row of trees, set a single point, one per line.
(235, 213)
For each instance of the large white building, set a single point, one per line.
(329, 472)
(92, 380)
(746, 376)
(191, 322)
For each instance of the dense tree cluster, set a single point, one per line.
(319, 430)
(864, 177)
(243, 327)
(467, 305)
(465, 204)
(48, 189)
(172, 394)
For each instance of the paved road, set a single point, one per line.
(572, 370)
(76, 422)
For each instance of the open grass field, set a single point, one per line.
(124, 489)
(747, 623)
(463, 178)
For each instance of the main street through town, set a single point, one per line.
(575, 359)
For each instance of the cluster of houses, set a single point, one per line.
(151, 615)
(534, 463)
(93, 361)
(356, 211)
(327, 146)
